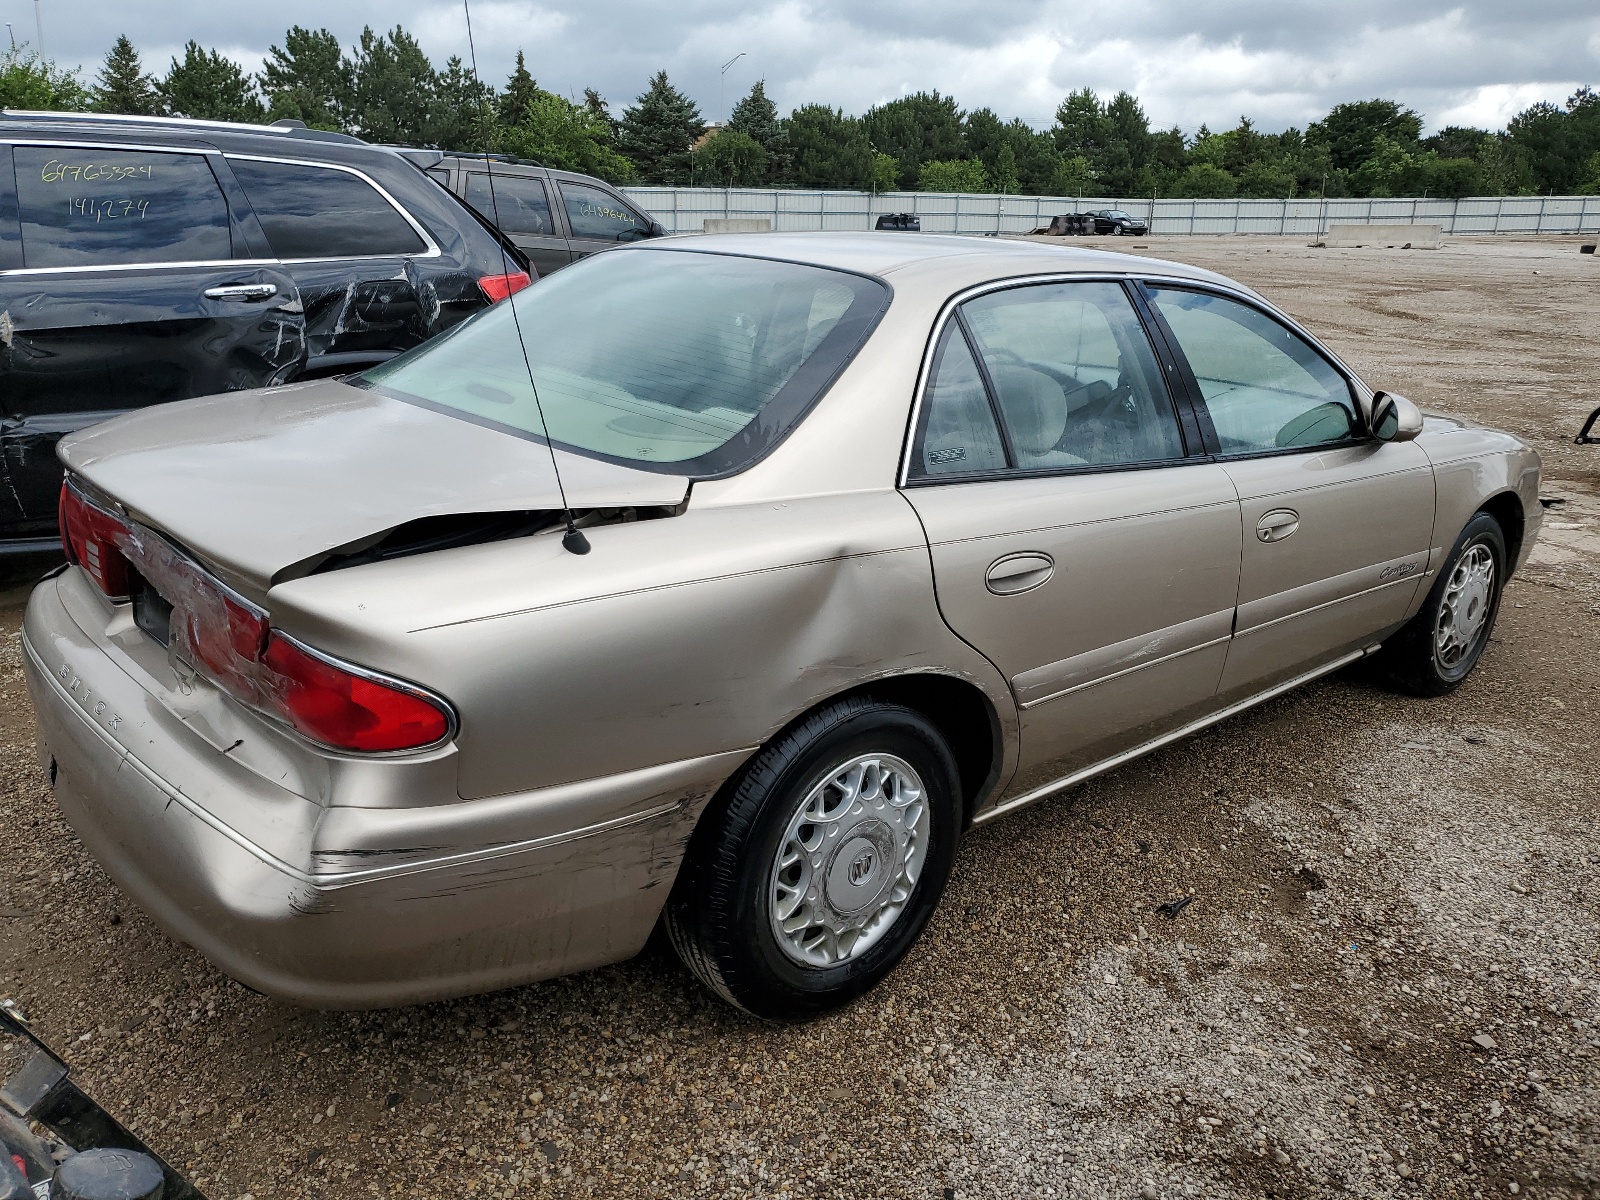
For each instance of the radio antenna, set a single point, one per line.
(573, 540)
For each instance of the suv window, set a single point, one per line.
(1074, 375)
(957, 433)
(10, 232)
(311, 211)
(518, 204)
(91, 207)
(594, 213)
(1264, 387)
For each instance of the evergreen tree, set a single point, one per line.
(209, 87)
(122, 85)
(830, 149)
(1350, 131)
(521, 88)
(308, 79)
(1080, 128)
(595, 105)
(658, 132)
(757, 117)
(920, 128)
(395, 88)
(1126, 145)
(28, 81)
(462, 112)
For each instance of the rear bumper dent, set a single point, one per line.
(352, 907)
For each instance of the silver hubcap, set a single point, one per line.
(849, 860)
(1465, 608)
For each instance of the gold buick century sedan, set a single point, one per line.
(877, 538)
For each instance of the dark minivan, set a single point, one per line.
(554, 217)
(145, 259)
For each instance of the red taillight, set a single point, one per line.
(90, 537)
(229, 640)
(496, 288)
(339, 708)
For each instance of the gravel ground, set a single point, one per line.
(1386, 982)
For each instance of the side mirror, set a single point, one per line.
(657, 229)
(1394, 418)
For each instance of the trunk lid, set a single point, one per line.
(264, 485)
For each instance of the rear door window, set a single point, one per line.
(309, 211)
(1074, 375)
(517, 203)
(596, 214)
(87, 206)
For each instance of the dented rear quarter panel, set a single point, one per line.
(673, 639)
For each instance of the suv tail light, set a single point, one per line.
(92, 539)
(496, 288)
(228, 639)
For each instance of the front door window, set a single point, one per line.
(1264, 387)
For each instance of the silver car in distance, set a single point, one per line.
(888, 537)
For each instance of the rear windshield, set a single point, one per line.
(681, 362)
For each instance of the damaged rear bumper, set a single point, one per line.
(339, 906)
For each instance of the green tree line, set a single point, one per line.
(386, 89)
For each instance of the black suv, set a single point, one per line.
(554, 217)
(145, 259)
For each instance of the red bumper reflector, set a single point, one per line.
(496, 288)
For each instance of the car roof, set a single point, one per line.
(943, 259)
(286, 138)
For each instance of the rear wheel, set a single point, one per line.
(811, 879)
(1438, 648)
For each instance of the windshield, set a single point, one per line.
(682, 362)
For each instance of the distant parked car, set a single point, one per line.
(901, 222)
(144, 260)
(887, 537)
(554, 217)
(1115, 221)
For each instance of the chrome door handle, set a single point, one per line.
(242, 291)
(1277, 525)
(1018, 573)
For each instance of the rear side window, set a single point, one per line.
(959, 434)
(312, 211)
(594, 213)
(517, 203)
(82, 207)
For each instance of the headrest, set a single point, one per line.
(1034, 405)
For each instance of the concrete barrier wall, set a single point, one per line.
(685, 210)
(1412, 237)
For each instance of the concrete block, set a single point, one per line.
(1402, 237)
(737, 225)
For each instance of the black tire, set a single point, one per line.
(1411, 661)
(719, 913)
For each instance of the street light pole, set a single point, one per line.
(722, 86)
(38, 24)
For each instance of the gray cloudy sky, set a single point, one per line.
(1283, 62)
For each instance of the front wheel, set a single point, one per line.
(809, 881)
(1438, 648)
